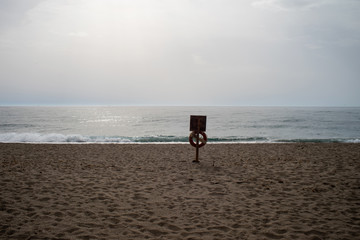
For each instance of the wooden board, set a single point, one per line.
(197, 123)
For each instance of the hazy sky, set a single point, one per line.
(180, 52)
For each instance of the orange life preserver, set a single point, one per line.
(202, 140)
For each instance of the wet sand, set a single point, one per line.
(149, 191)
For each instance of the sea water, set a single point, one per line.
(115, 124)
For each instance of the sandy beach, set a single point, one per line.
(149, 191)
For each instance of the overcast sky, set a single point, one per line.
(180, 52)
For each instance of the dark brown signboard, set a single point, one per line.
(197, 123)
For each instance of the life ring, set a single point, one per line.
(202, 140)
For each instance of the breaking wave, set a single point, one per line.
(76, 138)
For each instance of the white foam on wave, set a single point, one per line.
(353, 141)
(40, 138)
(77, 138)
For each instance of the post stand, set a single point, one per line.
(197, 143)
(197, 128)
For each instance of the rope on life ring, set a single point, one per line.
(202, 140)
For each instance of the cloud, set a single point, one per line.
(126, 52)
(289, 4)
(13, 12)
(198, 60)
(78, 34)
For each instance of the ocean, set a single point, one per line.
(115, 124)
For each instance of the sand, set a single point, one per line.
(130, 191)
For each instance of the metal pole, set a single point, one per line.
(197, 142)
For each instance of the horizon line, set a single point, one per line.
(170, 105)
